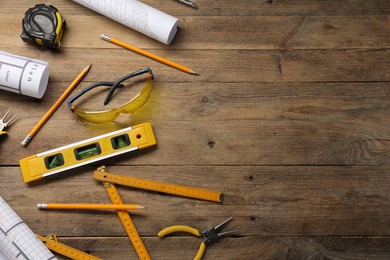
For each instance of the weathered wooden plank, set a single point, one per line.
(231, 7)
(344, 32)
(226, 101)
(285, 7)
(184, 247)
(233, 124)
(246, 32)
(232, 143)
(262, 200)
(222, 65)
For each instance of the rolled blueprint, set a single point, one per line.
(138, 16)
(17, 241)
(23, 75)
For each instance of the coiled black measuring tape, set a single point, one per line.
(43, 25)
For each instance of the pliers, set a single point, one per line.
(211, 235)
(4, 124)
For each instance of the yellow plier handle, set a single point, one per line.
(201, 250)
(178, 228)
(187, 229)
(3, 132)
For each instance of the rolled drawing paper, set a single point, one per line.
(138, 16)
(23, 75)
(17, 241)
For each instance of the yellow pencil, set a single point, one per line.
(148, 54)
(90, 206)
(56, 105)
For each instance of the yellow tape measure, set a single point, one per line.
(58, 160)
(43, 25)
(52, 243)
(145, 184)
(127, 222)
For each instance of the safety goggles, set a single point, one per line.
(110, 115)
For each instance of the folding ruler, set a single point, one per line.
(52, 243)
(127, 223)
(109, 179)
(58, 160)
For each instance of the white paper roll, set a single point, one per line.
(17, 241)
(23, 75)
(138, 16)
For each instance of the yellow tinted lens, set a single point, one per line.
(139, 100)
(110, 115)
(96, 117)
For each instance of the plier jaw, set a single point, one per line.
(4, 123)
(213, 234)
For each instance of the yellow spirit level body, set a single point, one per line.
(129, 139)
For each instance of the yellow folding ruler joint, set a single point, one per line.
(52, 243)
(127, 222)
(91, 150)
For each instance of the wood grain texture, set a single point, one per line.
(268, 124)
(293, 200)
(237, 32)
(248, 247)
(225, 66)
(233, 7)
(289, 119)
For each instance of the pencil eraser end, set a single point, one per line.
(26, 140)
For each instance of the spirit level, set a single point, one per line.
(58, 160)
(127, 223)
(52, 243)
(146, 184)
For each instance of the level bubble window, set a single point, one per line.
(87, 151)
(120, 141)
(54, 161)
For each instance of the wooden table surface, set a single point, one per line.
(289, 118)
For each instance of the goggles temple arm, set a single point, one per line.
(119, 81)
(82, 92)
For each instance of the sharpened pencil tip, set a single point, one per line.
(141, 207)
(189, 3)
(88, 67)
(194, 73)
